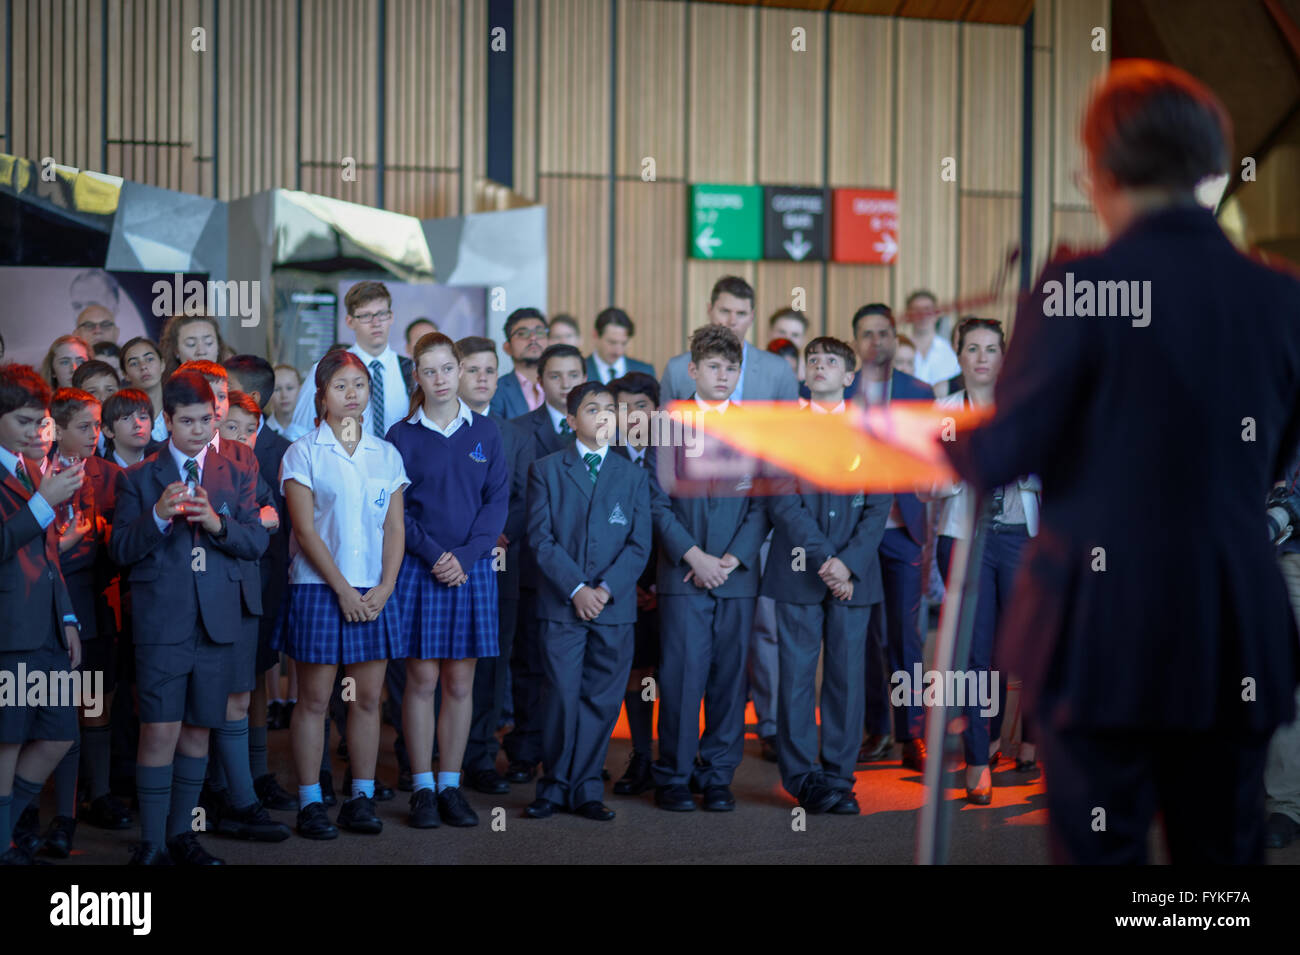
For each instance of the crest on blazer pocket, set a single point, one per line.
(616, 516)
(477, 455)
(224, 510)
(745, 483)
(859, 500)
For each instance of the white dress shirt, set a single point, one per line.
(39, 507)
(464, 416)
(556, 418)
(396, 398)
(606, 372)
(351, 495)
(939, 365)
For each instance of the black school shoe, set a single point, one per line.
(186, 849)
(27, 831)
(719, 799)
(674, 798)
(250, 822)
(638, 777)
(382, 793)
(272, 795)
(520, 771)
(106, 812)
(58, 837)
(454, 810)
(358, 815)
(488, 781)
(313, 823)
(424, 810)
(817, 797)
(847, 806)
(150, 853)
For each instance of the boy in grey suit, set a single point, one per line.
(708, 582)
(824, 574)
(589, 526)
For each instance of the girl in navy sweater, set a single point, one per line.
(446, 588)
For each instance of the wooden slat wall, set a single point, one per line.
(473, 131)
(340, 44)
(723, 85)
(990, 226)
(777, 284)
(791, 87)
(927, 133)
(651, 96)
(575, 83)
(577, 240)
(862, 100)
(848, 288)
(422, 128)
(650, 223)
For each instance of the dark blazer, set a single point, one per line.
(508, 402)
(245, 457)
(274, 565)
(903, 387)
(87, 569)
(168, 594)
(32, 589)
(632, 365)
(649, 573)
(520, 454)
(407, 368)
(587, 533)
(847, 526)
(107, 451)
(539, 439)
(726, 523)
(1156, 462)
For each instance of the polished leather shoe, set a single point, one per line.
(595, 810)
(405, 781)
(540, 809)
(488, 781)
(313, 823)
(186, 849)
(767, 748)
(876, 747)
(816, 796)
(914, 755)
(719, 799)
(454, 810)
(27, 831)
(1026, 765)
(358, 815)
(637, 779)
(327, 796)
(674, 798)
(424, 810)
(251, 822)
(847, 806)
(383, 793)
(520, 771)
(1280, 831)
(980, 797)
(57, 841)
(150, 853)
(106, 812)
(272, 795)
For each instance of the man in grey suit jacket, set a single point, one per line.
(589, 527)
(609, 358)
(763, 376)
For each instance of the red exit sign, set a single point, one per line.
(864, 226)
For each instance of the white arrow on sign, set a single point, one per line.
(797, 246)
(707, 242)
(887, 247)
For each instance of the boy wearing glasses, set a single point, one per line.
(392, 376)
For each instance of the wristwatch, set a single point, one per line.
(221, 534)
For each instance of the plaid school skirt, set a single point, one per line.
(448, 623)
(311, 629)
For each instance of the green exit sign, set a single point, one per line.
(726, 222)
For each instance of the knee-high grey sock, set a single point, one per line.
(257, 751)
(153, 787)
(230, 745)
(65, 781)
(187, 780)
(96, 748)
(640, 716)
(25, 793)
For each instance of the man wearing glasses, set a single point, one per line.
(526, 339)
(392, 376)
(96, 324)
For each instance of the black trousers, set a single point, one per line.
(490, 692)
(1104, 788)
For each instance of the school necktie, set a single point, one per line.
(593, 464)
(192, 470)
(565, 430)
(377, 397)
(23, 477)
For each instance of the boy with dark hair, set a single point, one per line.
(126, 420)
(589, 527)
(707, 585)
(638, 400)
(608, 359)
(33, 739)
(185, 519)
(824, 574)
(546, 430)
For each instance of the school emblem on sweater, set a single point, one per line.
(616, 516)
(477, 455)
(858, 500)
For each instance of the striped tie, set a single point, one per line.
(23, 477)
(192, 471)
(377, 397)
(593, 464)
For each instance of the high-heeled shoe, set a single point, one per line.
(980, 797)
